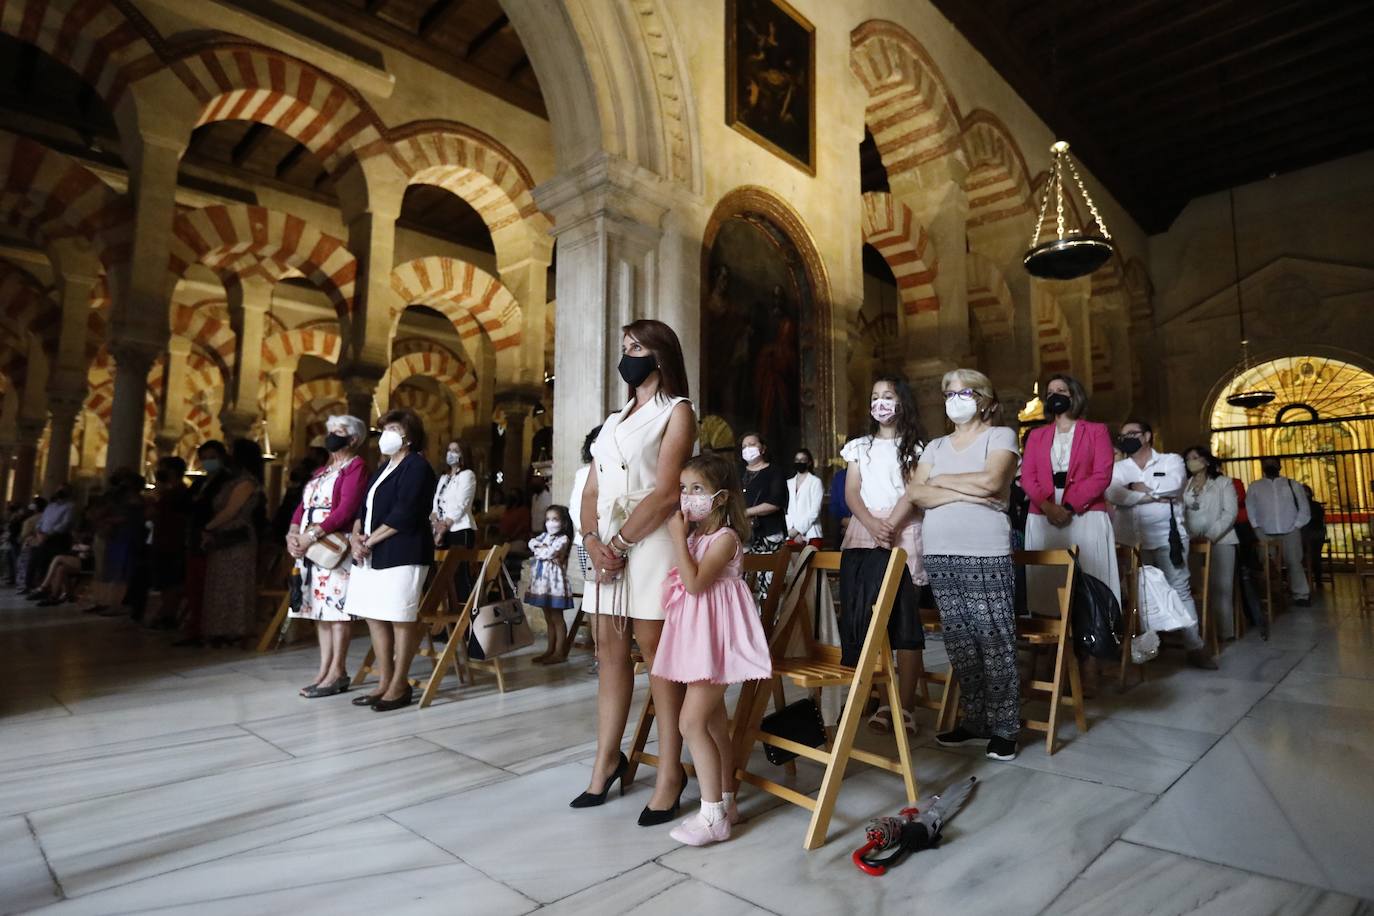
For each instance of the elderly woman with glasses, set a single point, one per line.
(329, 503)
(963, 482)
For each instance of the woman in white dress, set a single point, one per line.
(393, 547)
(1209, 511)
(329, 504)
(632, 489)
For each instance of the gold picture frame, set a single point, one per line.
(770, 78)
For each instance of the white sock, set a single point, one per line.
(712, 812)
(727, 798)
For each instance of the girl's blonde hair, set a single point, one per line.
(988, 406)
(719, 473)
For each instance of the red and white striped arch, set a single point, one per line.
(473, 166)
(1052, 336)
(108, 44)
(285, 349)
(219, 237)
(1101, 361)
(998, 182)
(322, 391)
(468, 296)
(434, 410)
(27, 305)
(206, 324)
(48, 196)
(235, 81)
(989, 297)
(910, 113)
(435, 363)
(890, 227)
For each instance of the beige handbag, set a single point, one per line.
(328, 552)
(499, 627)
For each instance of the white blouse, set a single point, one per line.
(453, 499)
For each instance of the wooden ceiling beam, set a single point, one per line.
(286, 162)
(252, 138)
(1198, 27)
(437, 15)
(519, 67)
(484, 37)
(373, 7)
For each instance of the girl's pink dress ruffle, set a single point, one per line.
(715, 636)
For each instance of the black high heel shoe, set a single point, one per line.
(651, 818)
(593, 799)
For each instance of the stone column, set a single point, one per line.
(26, 458)
(280, 409)
(64, 407)
(607, 214)
(367, 333)
(517, 406)
(925, 376)
(138, 325)
(172, 400)
(522, 260)
(249, 302)
(133, 360)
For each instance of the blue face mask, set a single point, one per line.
(212, 465)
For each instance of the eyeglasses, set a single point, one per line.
(967, 394)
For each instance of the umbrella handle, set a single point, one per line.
(865, 849)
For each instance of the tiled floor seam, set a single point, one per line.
(723, 890)
(38, 843)
(534, 904)
(1241, 868)
(266, 741)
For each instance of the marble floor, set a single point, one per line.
(139, 778)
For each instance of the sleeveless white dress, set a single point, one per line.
(626, 459)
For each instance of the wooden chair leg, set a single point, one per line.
(272, 635)
(500, 674)
(1080, 712)
(437, 675)
(641, 739)
(1056, 693)
(839, 760)
(365, 668)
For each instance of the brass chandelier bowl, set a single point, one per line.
(1071, 253)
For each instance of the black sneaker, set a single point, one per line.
(1001, 749)
(957, 738)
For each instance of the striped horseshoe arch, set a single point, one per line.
(471, 298)
(890, 227)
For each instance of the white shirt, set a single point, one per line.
(804, 496)
(453, 499)
(1277, 506)
(1211, 511)
(1142, 519)
(575, 501)
(880, 471)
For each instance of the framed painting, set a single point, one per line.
(770, 84)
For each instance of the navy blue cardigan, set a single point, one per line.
(403, 501)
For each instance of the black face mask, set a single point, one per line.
(635, 369)
(333, 442)
(801, 467)
(1129, 445)
(1057, 403)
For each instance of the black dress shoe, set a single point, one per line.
(367, 700)
(333, 688)
(651, 818)
(595, 799)
(400, 702)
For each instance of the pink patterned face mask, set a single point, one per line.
(883, 411)
(696, 506)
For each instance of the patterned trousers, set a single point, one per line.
(976, 597)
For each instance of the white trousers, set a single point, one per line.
(1177, 577)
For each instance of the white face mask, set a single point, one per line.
(961, 410)
(750, 454)
(454, 459)
(390, 442)
(696, 506)
(553, 526)
(883, 410)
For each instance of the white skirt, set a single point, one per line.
(645, 571)
(386, 594)
(1092, 534)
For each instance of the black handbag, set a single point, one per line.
(1177, 555)
(295, 589)
(800, 722)
(1096, 616)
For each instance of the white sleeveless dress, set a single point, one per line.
(626, 459)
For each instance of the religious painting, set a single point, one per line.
(757, 335)
(770, 86)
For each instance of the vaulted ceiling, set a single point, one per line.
(1167, 100)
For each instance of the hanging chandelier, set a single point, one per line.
(1245, 398)
(1071, 253)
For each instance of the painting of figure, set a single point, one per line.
(771, 78)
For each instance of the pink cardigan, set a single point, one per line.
(1090, 467)
(349, 490)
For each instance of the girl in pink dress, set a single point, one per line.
(712, 635)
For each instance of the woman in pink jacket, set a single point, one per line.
(1065, 470)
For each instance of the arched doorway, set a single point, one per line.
(1320, 424)
(766, 363)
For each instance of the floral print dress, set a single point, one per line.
(324, 589)
(549, 587)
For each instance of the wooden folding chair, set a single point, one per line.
(458, 624)
(275, 632)
(754, 564)
(819, 666)
(1201, 550)
(1364, 573)
(1055, 634)
(1128, 564)
(1271, 562)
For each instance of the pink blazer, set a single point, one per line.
(1090, 467)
